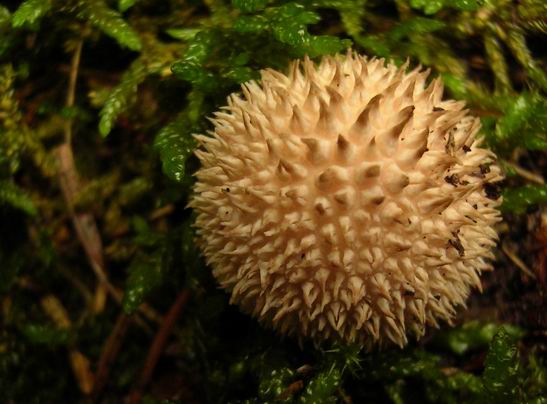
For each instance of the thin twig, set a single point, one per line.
(71, 92)
(517, 261)
(84, 223)
(526, 174)
(162, 212)
(109, 353)
(157, 346)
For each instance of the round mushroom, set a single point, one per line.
(346, 201)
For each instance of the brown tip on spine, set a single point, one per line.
(332, 176)
(298, 123)
(409, 90)
(367, 171)
(286, 166)
(335, 98)
(272, 148)
(323, 112)
(316, 152)
(343, 147)
(365, 116)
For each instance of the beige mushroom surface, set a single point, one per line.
(346, 201)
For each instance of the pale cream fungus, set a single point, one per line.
(346, 201)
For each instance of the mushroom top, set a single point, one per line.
(346, 201)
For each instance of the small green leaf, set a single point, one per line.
(110, 22)
(194, 73)
(134, 190)
(249, 6)
(144, 236)
(200, 47)
(124, 5)
(326, 45)
(273, 384)
(524, 123)
(389, 365)
(414, 26)
(322, 388)
(374, 44)
(146, 274)
(122, 96)
(429, 6)
(12, 195)
(343, 356)
(517, 200)
(434, 6)
(40, 334)
(352, 14)
(535, 379)
(500, 376)
(516, 41)
(296, 13)
(175, 144)
(191, 67)
(240, 74)
(251, 24)
(472, 335)
(497, 62)
(463, 88)
(395, 391)
(184, 34)
(467, 5)
(5, 18)
(30, 12)
(462, 381)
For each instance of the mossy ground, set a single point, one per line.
(103, 295)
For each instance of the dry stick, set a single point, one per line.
(162, 212)
(157, 346)
(517, 261)
(71, 93)
(84, 223)
(68, 180)
(109, 353)
(526, 174)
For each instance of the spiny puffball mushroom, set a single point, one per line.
(346, 201)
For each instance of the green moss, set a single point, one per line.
(150, 74)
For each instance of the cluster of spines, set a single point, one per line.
(345, 201)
